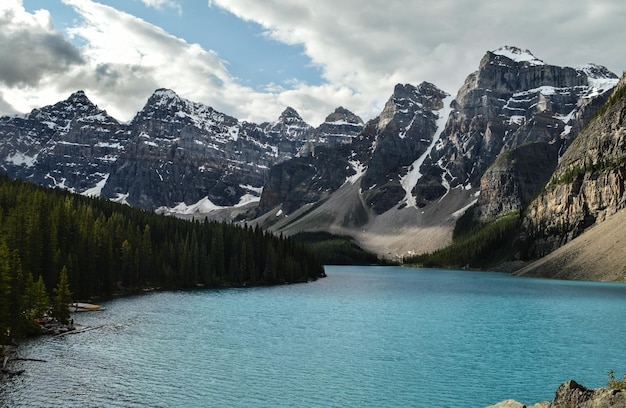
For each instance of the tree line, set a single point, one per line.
(101, 248)
(475, 244)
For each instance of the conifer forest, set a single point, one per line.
(57, 246)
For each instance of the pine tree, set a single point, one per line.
(5, 290)
(62, 298)
(17, 295)
(39, 299)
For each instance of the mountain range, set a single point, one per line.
(396, 184)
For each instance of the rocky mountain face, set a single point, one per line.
(175, 155)
(379, 156)
(184, 152)
(403, 133)
(588, 183)
(304, 180)
(71, 144)
(513, 100)
(339, 127)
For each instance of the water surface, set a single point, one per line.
(363, 336)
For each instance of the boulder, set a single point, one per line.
(514, 404)
(570, 394)
(573, 395)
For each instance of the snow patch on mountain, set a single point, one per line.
(457, 214)
(600, 86)
(60, 183)
(121, 198)
(257, 190)
(247, 199)
(205, 205)
(117, 145)
(517, 55)
(96, 191)
(359, 169)
(21, 159)
(409, 181)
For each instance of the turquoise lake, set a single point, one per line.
(362, 337)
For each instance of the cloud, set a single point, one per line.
(362, 49)
(5, 107)
(130, 58)
(163, 4)
(30, 47)
(122, 61)
(370, 46)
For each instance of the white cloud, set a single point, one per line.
(124, 59)
(163, 4)
(5, 107)
(361, 48)
(132, 58)
(370, 46)
(30, 47)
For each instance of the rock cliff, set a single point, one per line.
(403, 132)
(71, 144)
(513, 99)
(597, 254)
(587, 185)
(304, 180)
(381, 154)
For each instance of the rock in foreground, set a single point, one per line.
(573, 395)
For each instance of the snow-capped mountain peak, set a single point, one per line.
(76, 107)
(595, 71)
(290, 115)
(342, 115)
(518, 55)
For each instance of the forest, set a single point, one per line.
(56, 246)
(475, 244)
(337, 249)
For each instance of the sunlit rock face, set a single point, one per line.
(588, 184)
(513, 99)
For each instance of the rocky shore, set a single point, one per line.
(573, 395)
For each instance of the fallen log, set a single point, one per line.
(77, 331)
(30, 359)
(11, 372)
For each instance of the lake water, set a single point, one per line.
(363, 336)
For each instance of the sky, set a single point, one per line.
(251, 59)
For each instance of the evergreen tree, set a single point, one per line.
(40, 302)
(17, 295)
(62, 298)
(5, 291)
